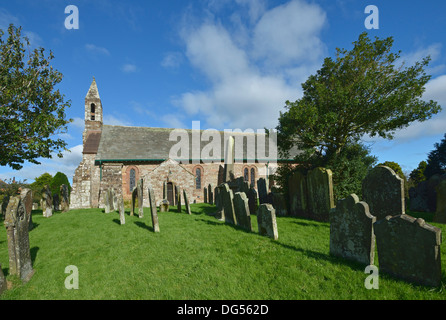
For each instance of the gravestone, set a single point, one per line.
(114, 198)
(423, 197)
(210, 194)
(409, 248)
(228, 173)
(164, 206)
(47, 202)
(107, 202)
(205, 194)
(139, 188)
(279, 203)
(383, 190)
(153, 211)
(26, 197)
(262, 190)
(56, 202)
(134, 197)
(178, 193)
(121, 209)
(64, 198)
(3, 284)
(351, 231)
(5, 202)
(228, 205)
(266, 220)
(242, 213)
(220, 213)
(297, 188)
(252, 200)
(17, 227)
(440, 214)
(186, 202)
(320, 193)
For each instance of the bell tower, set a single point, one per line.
(93, 111)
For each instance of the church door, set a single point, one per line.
(170, 194)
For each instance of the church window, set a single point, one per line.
(132, 183)
(197, 178)
(93, 111)
(246, 175)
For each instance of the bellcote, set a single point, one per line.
(93, 110)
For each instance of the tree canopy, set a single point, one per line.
(436, 159)
(32, 111)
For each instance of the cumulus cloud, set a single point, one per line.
(253, 74)
(129, 68)
(96, 50)
(172, 60)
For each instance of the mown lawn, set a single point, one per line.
(194, 257)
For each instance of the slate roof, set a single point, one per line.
(121, 143)
(92, 143)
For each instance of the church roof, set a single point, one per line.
(121, 143)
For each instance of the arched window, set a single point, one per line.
(253, 177)
(92, 110)
(197, 178)
(132, 182)
(246, 175)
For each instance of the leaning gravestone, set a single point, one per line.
(210, 194)
(153, 210)
(297, 187)
(17, 225)
(121, 209)
(64, 198)
(186, 202)
(409, 248)
(134, 196)
(320, 193)
(178, 193)
(139, 187)
(383, 190)
(220, 213)
(351, 231)
(262, 190)
(440, 214)
(228, 205)
(3, 285)
(242, 213)
(164, 206)
(266, 220)
(47, 202)
(252, 200)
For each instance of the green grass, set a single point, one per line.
(193, 257)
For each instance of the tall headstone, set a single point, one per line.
(252, 200)
(279, 203)
(26, 198)
(266, 221)
(229, 174)
(121, 209)
(320, 193)
(205, 194)
(17, 227)
(409, 248)
(47, 202)
(107, 202)
(210, 194)
(228, 205)
(351, 231)
(297, 187)
(178, 193)
(242, 213)
(186, 202)
(139, 188)
(134, 197)
(383, 190)
(153, 211)
(262, 190)
(114, 198)
(64, 198)
(440, 214)
(220, 213)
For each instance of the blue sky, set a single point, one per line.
(226, 63)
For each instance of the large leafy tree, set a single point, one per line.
(436, 159)
(32, 111)
(359, 92)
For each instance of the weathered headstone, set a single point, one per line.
(423, 197)
(64, 198)
(228, 204)
(409, 248)
(164, 206)
(229, 160)
(262, 190)
(153, 210)
(205, 194)
(26, 198)
(297, 187)
(440, 214)
(178, 193)
(17, 227)
(134, 197)
(279, 203)
(252, 200)
(107, 202)
(210, 194)
(351, 231)
(47, 202)
(114, 198)
(266, 220)
(320, 193)
(3, 284)
(383, 190)
(5, 202)
(242, 213)
(121, 209)
(220, 213)
(139, 187)
(186, 202)
(56, 202)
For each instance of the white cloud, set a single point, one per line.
(96, 50)
(115, 121)
(129, 68)
(434, 51)
(172, 60)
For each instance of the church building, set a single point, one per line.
(118, 156)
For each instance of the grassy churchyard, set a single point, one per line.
(194, 257)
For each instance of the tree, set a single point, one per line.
(417, 175)
(436, 159)
(58, 180)
(32, 111)
(360, 92)
(395, 167)
(38, 184)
